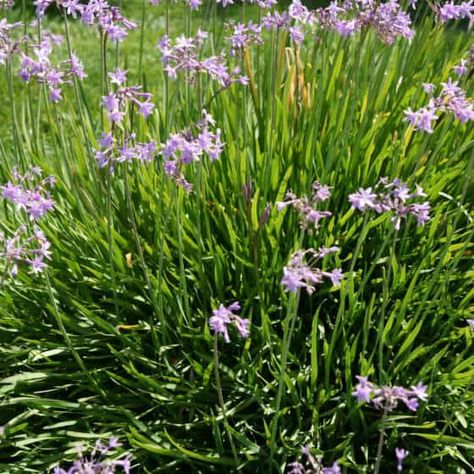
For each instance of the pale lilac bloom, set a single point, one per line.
(306, 206)
(225, 316)
(334, 469)
(428, 88)
(451, 99)
(30, 194)
(392, 196)
(400, 454)
(421, 119)
(41, 68)
(296, 34)
(346, 28)
(470, 322)
(118, 77)
(312, 465)
(461, 68)
(98, 462)
(300, 272)
(30, 249)
(363, 199)
(245, 35)
(387, 19)
(116, 102)
(363, 389)
(188, 147)
(185, 55)
(387, 397)
(451, 11)
(111, 152)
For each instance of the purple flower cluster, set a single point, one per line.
(184, 55)
(392, 196)
(193, 4)
(30, 193)
(312, 465)
(294, 20)
(224, 317)
(387, 19)
(470, 322)
(97, 462)
(244, 35)
(41, 68)
(452, 99)
(299, 272)
(110, 152)
(30, 248)
(450, 11)
(109, 19)
(386, 397)
(264, 4)
(8, 46)
(187, 147)
(305, 206)
(115, 103)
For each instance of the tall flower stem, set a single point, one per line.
(110, 237)
(11, 98)
(289, 326)
(182, 269)
(378, 459)
(136, 235)
(142, 40)
(66, 337)
(77, 95)
(221, 400)
(386, 288)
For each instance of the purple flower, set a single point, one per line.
(305, 206)
(334, 469)
(470, 322)
(450, 11)
(30, 194)
(184, 55)
(97, 461)
(118, 77)
(223, 317)
(24, 248)
(312, 465)
(187, 147)
(346, 28)
(111, 152)
(41, 68)
(422, 119)
(392, 197)
(300, 274)
(386, 397)
(363, 389)
(451, 99)
(387, 19)
(115, 103)
(363, 199)
(400, 454)
(461, 68)
(428, 88)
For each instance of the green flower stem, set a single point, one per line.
(221, 400)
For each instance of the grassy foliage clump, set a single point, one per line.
(112, 338)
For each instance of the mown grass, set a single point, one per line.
(399, 317)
